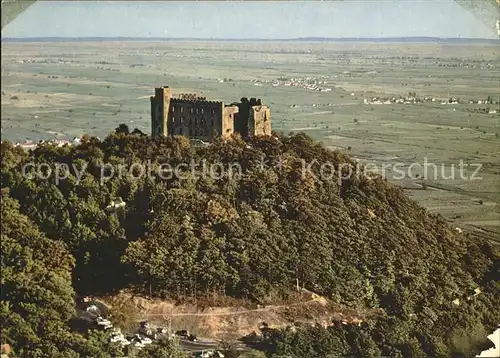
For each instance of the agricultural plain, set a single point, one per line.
(393, 106)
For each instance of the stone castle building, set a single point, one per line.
(197, 118)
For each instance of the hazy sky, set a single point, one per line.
(238, 19)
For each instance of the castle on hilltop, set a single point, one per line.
(196, 118)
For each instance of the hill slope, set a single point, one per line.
(359, 241)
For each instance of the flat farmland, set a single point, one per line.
(342, 94)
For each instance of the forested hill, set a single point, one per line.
(360, 241)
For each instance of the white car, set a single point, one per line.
(103, 323)
(116, 332)
(117, 338)
(141, 339)
(106, 326)
(146, 340)
(211, 354)
(120, 339)
(93, 309)
(125, 342)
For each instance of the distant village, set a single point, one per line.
(412, 98)
(309, 83)
(29, 144)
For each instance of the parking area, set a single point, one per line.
(96, 315)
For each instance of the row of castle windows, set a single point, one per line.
(198, 132)
(194, 110)
(201, 121)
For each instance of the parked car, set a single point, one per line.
(146, 331)
(93, 309)
(182, 334)
(101, 319)
(142, 339)
(210, 354)
(115, 332)
(124, 342)
(120, 338)
(161, 330)
(103, 323)
(105, 326)
(192, 338)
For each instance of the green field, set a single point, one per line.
(61, 90)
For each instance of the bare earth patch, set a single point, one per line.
(223, 323)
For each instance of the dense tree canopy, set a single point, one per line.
(360, 241)
(37, 300)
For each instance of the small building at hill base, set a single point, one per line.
(198, 118)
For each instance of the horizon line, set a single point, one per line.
(306, 38)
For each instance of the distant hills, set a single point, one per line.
(303, 39)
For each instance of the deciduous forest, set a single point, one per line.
(359, 241)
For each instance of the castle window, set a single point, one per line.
(191, 110)
(212, 111)
(173, 108)
(182, 109)
(202, 111)
(173, 120)
(182, 121)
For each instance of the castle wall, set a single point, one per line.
(228, 119)
(253, 118)
(195, 118)
(156, 123)
(241, 119)
(260, 120)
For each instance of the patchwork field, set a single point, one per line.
(62, 90)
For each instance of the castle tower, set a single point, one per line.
(259, 119)
(160, 105)
(253, 118)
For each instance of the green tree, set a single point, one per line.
(163, 348)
